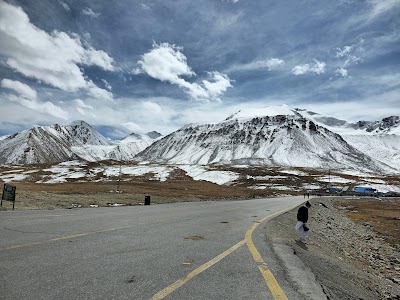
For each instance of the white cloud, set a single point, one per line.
(133, 127)
(317, 68)
(166, 62)
(19, 87)
(343, 72)
(107, 85)
(218, 86)
(43, 107)
(270, 64)
(28, 98)
(65, 6)
(347, 54)
(51, 58)
(382, 6)
(98, 93)
(152, 107)
(145, 6)
(82, 107)
(89, 12)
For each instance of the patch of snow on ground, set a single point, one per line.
(294, 172)
(241, 166)
(335, 179)
(311, 187)
(61, 174)
(72, 163)
(13, 177)
(380, 181)
(272, 187)
(31, 171)
(13, 171)
(160, 173)
(266, 177)
(356, 173)
(201, 173)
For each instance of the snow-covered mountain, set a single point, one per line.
(389, 125)
(378, 139)
(269, 136)
(58, 143)
(125, 150)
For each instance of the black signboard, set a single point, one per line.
(8, 194)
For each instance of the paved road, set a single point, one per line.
(202, 250)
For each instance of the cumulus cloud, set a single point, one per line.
(89, 12)
(270, 64)
(343, 72)
(28, 97)
(317, 68)
(166, 62)
(347, 54)
(54, 58)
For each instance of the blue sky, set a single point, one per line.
(137, 66)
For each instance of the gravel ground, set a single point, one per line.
(349, 259)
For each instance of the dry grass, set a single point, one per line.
(66, 195)
(383, 215)
(96, 188)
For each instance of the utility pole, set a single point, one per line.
(119, 175)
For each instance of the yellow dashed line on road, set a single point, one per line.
(270, 279)
(272, 283)
(168, 290)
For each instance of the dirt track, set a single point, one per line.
(351, 259)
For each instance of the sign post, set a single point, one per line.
(8, 194)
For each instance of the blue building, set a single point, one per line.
(365, 190)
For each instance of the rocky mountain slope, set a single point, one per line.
(58, 143)
(271, 136)
(378, 139)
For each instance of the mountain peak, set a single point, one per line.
(271, 111)
(79, 123)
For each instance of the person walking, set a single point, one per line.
(302, 218)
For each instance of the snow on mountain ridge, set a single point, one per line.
(249, 113)
(58, 143)
(135, 137)
(278, 140)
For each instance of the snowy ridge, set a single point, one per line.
(377, 139)
(272, 140)
(58, 143)
(270, 136)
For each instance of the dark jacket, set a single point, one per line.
(302, 214)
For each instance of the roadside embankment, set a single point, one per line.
(353, 247)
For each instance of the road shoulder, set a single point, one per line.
(323, 265)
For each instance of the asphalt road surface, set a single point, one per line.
(197, 250)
